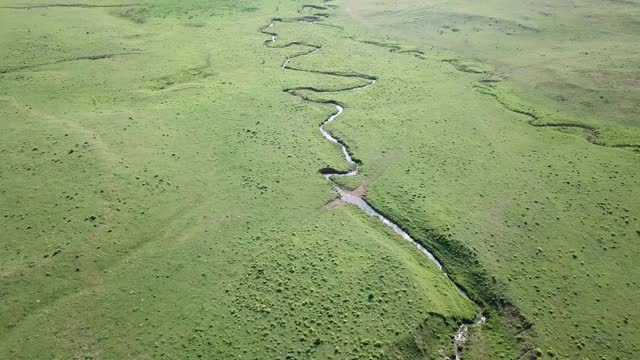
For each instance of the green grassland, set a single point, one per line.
(552, 217)
(160, 196)
(165, 201)
(573, 61)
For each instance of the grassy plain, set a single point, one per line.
(572, 61)
(553, 218)
(160, 198)
(165, 200)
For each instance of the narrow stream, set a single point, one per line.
(461, 336)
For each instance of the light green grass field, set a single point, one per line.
(573, 61)
(166, 202)
(160, 197)
(551, 216)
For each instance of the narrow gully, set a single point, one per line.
(461, 336)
